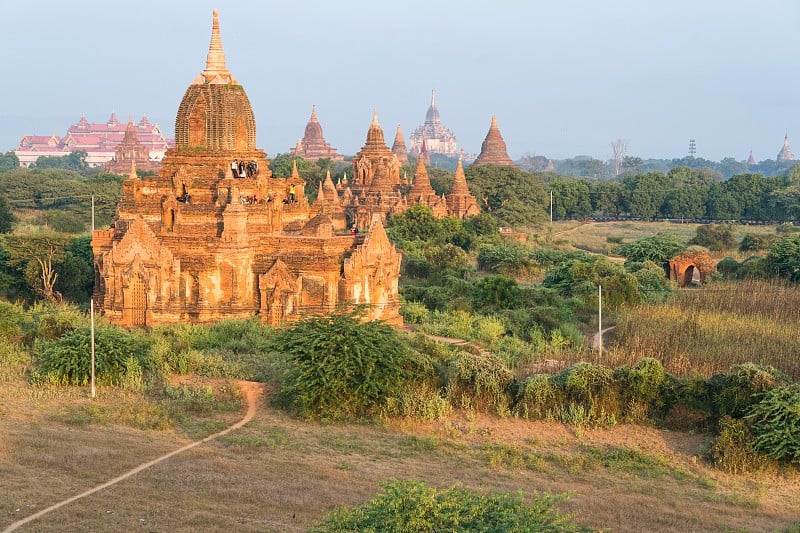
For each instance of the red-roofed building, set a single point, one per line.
(98, 140)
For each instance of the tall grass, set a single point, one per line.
(710, 329)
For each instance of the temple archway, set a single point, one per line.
(691, 268)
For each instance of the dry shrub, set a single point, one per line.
(483, 378)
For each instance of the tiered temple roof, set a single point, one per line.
(786, 152)
(460, 202)
(493, 149)
(216, 236)
(438, 139)
(313, 146)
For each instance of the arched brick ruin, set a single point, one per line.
(682, 267)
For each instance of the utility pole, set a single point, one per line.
(551, 208)
(600, 320)
(692, 147)
(91, 312)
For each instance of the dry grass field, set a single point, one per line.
(283, 474)
(593, 236)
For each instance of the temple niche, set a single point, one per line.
(216, 236)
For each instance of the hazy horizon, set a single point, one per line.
(563, 80)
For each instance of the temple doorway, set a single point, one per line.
(138, 301)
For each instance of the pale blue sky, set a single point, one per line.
(564, 78)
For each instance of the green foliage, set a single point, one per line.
(537, 397)
(74, 161)
(64, 221)
(589, 385)
(479, 381)
(658, 249)
(744, 385)
(7, 218)
(783, 257)
(641, 382)
(413, 507)
(493, 293)
(715, 237)
(8, 161)
(512, 196)
(775, 421)
(340, 368)
(580, 278)
(67, 360)
(508, 258)
(414, 313)
(734, 448)
(753, 243)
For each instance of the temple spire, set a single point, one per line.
(133, 174)
(375, 117)
(215, 61)
(433, 98)
(313, 113)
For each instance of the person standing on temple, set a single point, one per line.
(235, 168)
(291, 193)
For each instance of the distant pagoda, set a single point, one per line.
(399, 147)
(786, 152)
(131, 151)
(751, 160)
(313, 146)
(493, 149)
(437, 138)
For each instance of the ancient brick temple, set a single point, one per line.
(216, 236)
(399, 147)
(131, 151)
(377, 187)
(313, 146)
(493, 149)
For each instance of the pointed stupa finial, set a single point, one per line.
(433, 98)
(494, 122)
(133, 174)
(295, 173)
(375, 117)
(313, 113)
(215, 61)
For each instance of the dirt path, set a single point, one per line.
(252, 392)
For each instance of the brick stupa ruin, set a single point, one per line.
(493, 149)
(313, 146)
(216, 236)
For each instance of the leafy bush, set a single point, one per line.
(537, 397)
(776, 423)
(754, 243)
(340, 368)
(591, 387)
(783, 257)
(507, 258)
(734, 448)
(715, 237)
(414, 313)
(728, 267)
(658, 249)
(67, 359)
(14, 361)
(744, 385)
(478, 381)
(413, 507)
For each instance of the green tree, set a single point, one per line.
(571, 198)
(514, 197)
(609, 198)
(74, 161)
(715, 237)
(783, 257)
(341, 368)
(39, 254)
(644, 194)
(7, 218)
(8, 161)
(658, 249)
